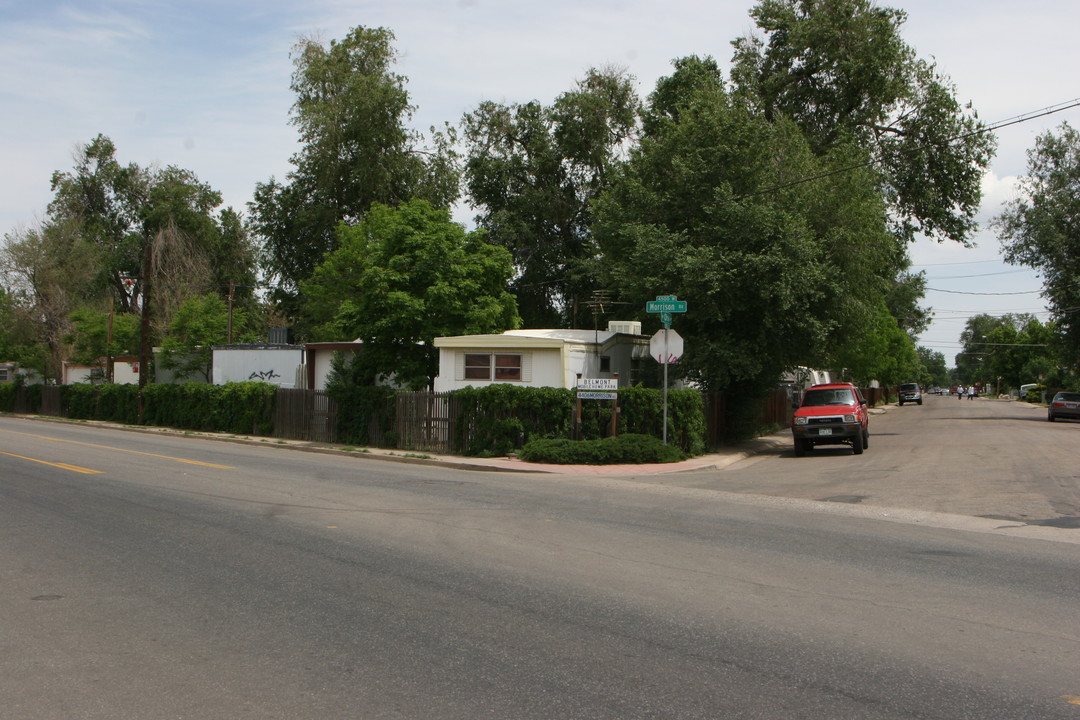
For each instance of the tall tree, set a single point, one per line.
(50, 272)
(773, 279)
(18, 341)
(1041, 229)
(402, 277)
(352, 112)
(842, 71)
(114, 230)
(121, 210)
(994, 345)
(933, 362)
(106, 200)
(533, 172)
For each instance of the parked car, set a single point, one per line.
(831, 414)
(910, 392)
(1064, 405)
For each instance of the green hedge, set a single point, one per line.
(643, 413)
(498, 419)
(621, 450)
(242, 408)
(109, 402)
(7, 397)
(492, 420)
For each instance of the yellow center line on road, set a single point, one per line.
(62, 466)
(125, 450)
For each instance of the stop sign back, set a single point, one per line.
(666, 346)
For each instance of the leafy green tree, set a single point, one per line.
(142, 234)
(402, 277)
(1041, 229)
(92, 332)
(1015, 348)
(49, 272)
(936, 371)
(903, 298)
(1021, 350)
(973, 359)
(842, 71)
(352, 112)
(533, 171)
(18, 340)
(106, 200)
(199, 324)
(124, 211)
(882, 351)
(773, 279)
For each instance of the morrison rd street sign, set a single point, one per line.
(666, 303)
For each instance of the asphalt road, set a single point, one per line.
(981, 458)
(144, 576)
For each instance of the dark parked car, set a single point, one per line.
(1064, 405)
(910, 392)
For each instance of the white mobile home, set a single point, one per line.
(541, 358)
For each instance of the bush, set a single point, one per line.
(496, 419)
(1035, 394)
(630, 449)
(7, 397)
(245, 408)
(643, 412)
(114, 403)
(365, 414)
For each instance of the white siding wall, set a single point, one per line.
(541, 367)
(273, 365)
(124, 374)
(323, 361)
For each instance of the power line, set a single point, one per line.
(965, 262)
(961, 277)
(963, 292)
(1068, 104)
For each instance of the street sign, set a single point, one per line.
(598, 384)
(666, 303)
(666, 346)
(597, 396)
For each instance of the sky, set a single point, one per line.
(205, 86)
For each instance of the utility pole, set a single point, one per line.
(144, 326)
(108, 344)
(232, 288)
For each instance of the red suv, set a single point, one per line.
(831, 414)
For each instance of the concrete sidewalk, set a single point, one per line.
(712, 461)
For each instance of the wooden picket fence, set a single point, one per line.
(305, 415)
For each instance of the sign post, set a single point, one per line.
(671, 344)
(598, 389)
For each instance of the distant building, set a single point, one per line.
(125, 371)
